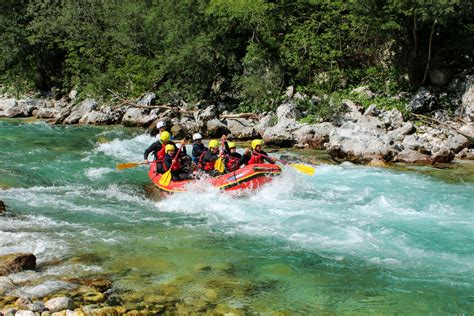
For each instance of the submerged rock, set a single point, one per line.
(17, 262)
(59, 303)
(44, 289)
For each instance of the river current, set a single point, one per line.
(351, 239)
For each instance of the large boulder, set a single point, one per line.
(79, 111)
(95, 118)
(135, 117)
(443, 155)
(314, 136)
(286, 111)
(12, 108)
(215, 128)
(282, 133)
(241, 129)
(457, 142)
(265, 122)
(46, 113)
(412, 156)
(400, 133)
(468, 130)
(423, 101)
(17, 262)
(358, 143)
(393, 119)
(59, 304)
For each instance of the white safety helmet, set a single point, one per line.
(197, 136)
(160, 124)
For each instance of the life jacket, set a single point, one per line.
(208, 166)
(175, 166)
(160, 155)
(232, 163)
(255, 159)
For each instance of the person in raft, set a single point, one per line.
(208, 158)
(161, 126)
(257, 155)
(233, 160)
(172, 161)
(158, 150)
(198, 147)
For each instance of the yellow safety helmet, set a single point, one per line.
(213, 144)
(231, 145)
(165, 136)
(257, 142)
(169, 148)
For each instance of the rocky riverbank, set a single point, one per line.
(361, 135)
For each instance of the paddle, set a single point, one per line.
(126, 165)
(298, 166)
(219, 164)
(166, 177)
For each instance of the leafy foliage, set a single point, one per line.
(245, 51)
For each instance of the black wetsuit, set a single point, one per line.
(198, 149)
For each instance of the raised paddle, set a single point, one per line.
(298, 166)
(126, 165)
(219, 164)
(166, 177)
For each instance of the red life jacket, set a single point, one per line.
(232, 163)
(208, 166)
(255, 159)
(175, 166)
(160, 155)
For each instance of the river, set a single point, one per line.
(351, 239)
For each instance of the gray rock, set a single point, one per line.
(393, 119)
(148, 99)
(265, 122)
(412, 156)
(8, 311)
(203, 116)
(288, 111)
(215, 128)
(36, 306)
(46, 113)
(370, 110)
(23, 302)
(290, 91)
(363, 91)
(466, 154)
(468, 129)
(282, 133)
(24, 276)
(179, 130)
(12, 108)
(72, 94)
(79, 111)
(24, 313)
(6, 284)
(59, 303)
(423, 101)
(314, 136)
(135, 117)
(95, 118)
(400, 133)
(241, 129)
(457, 143)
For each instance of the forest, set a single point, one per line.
(245, 52)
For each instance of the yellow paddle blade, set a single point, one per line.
(165, 178)
(303, 168)
(219, 165)
(126, 165)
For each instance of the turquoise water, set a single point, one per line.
(350, 240)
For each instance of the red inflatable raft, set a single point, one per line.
(247, 177)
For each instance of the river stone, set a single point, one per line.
(282, 133)
(315, 136)
(468, 129)
(215, 128)
(457, 143)
(17, 262)
(24, 313)
(466, 153)
(412, 156)
(79, 111)
(59, 303)
(46, 113)
(6, 284)
(95, 118)
(443, 155)
(44, 289)
(23, 302)
(135, 117)
(12, 108)
(393, 119)
(241, 129)
(400, 133)
(8, 311)
(287, 111)
(36, 306)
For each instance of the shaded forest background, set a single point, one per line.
(241, 51)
